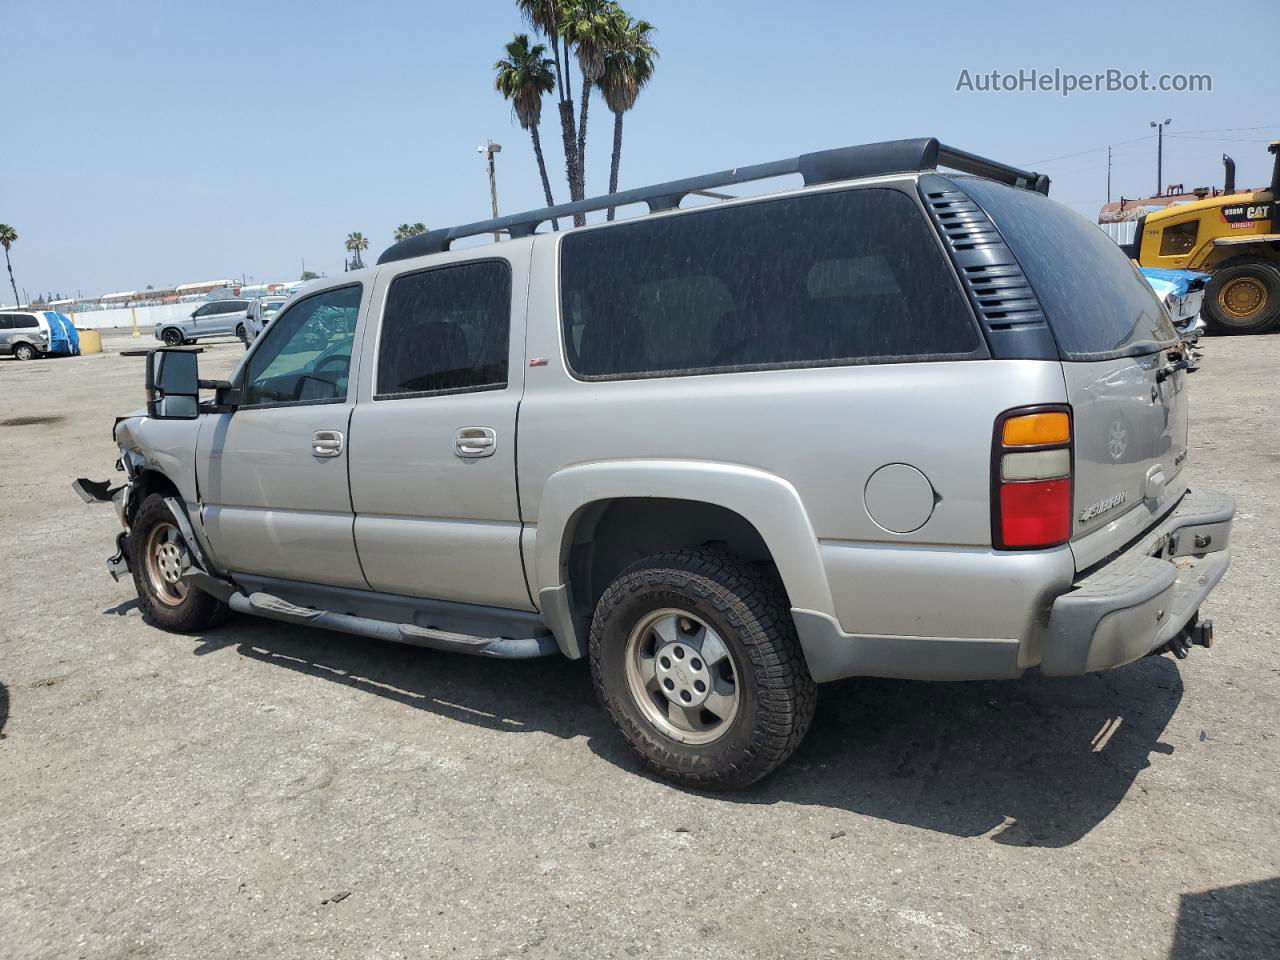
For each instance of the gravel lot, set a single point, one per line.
(268, 791)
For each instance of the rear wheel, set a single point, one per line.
(24, 351)
(694, 655)
(1243, 297)
(159, 555)
(172, 337)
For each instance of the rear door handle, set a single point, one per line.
(473, 442)
(326, 443)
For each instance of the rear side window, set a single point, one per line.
(22, 322)
(446, 330)
(823, 279)
(1098, 305)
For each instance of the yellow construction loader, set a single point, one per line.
(1233, 236)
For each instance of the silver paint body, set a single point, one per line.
(36, 337)
(794, 452)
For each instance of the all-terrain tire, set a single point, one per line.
(197, 610)
(746, 605)
(1243, 297)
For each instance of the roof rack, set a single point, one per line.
(825, 166)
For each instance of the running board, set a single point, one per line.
(274, 608)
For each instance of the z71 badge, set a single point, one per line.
(1102, 506)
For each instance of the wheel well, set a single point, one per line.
(609, 535)
(147, 483)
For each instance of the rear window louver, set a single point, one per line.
(1011, 316)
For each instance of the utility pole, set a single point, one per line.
(1160, 154)
(1108, 173)
(489, 149)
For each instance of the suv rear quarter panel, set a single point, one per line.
(821, 431)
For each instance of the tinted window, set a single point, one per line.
(446, 329)
(21, 322)
(6, 322)
(305, 356)
(207, 310)
(1097, 303)
(821, 279)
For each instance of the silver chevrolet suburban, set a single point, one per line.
(891, 422)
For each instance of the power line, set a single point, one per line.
(1265, 126)
(1183, 136)
(1081, 153)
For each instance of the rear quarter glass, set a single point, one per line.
(1098, 306)
(827, 278)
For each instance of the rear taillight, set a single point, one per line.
(1031, 466)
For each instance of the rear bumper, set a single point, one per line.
(1146, 596)
(992, 615)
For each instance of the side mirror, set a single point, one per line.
(173, 385)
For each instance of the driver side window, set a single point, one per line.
(305, 355)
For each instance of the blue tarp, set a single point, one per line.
(63, 337)
(1179, 280)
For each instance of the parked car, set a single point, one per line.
(259, 314)
(216, 318)
(1182, 293)
(24, 335)
(892, 423)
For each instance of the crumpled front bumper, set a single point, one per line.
(1147, 595)
(118, 565)
(101, 491)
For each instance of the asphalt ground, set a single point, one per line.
(268, 791)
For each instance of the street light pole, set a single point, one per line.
(1160, 154)
(489, 149)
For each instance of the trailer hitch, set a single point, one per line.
(1197, 633)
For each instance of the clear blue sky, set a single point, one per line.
(160, 143)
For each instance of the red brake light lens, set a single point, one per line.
(1031, 478)
(1035, 514)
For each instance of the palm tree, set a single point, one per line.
(524, 77)
(8, 237)
(590, 27)
(355, 243)
(407, 230)
(628, 65)
(545, 17)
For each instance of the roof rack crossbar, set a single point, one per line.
(967, 162)
(824, 166)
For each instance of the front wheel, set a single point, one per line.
(1243, 298)
(695, 657)
(242, 334)
(24, 351)
(158, 556)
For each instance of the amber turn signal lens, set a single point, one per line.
(1037, 428)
